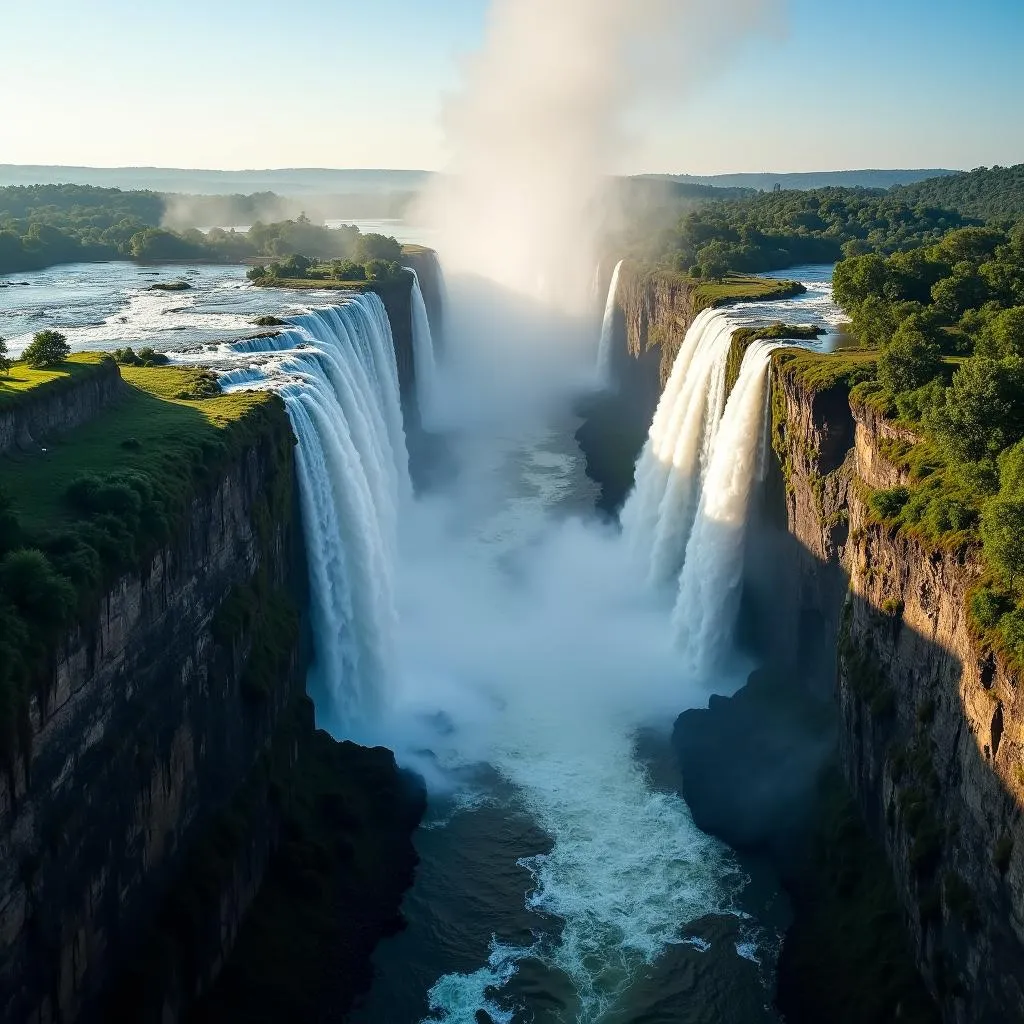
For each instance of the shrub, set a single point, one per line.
(5, 361)
(1002, 535)
(1011, 628)
(987, 606)
(256, 273)
(34, 588)
(889, 504)
(47, 348)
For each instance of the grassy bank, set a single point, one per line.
(743, 338)
(163, 431)
(739, 288)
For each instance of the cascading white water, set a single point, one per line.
(335, 369)
(659, 513)
(604, 351)
(424, 357)
(712, 573)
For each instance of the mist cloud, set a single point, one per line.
(543, 119)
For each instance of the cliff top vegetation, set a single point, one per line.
(23, 382)
(299, 271)
(945, 324)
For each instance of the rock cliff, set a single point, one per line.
(173, 768)
(149, 724)
(930, 723)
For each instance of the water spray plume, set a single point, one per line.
(544, 118)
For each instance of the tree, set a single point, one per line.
(381, 270)
(373, 246)
(5, 361)
(256, 273)
(1002, 535)
(1003, 334)
(296, 265)
(909, 361)
(982, 411)
(47, 348)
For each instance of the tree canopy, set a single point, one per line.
(47, 349)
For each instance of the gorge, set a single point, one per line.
(528, 660)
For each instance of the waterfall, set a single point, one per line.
(604, 351)
(335, 369)
(685, 520)
(660, 511)
(424, 359)
(712, 575)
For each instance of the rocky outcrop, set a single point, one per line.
(59, 406)
(930, 723)
(158, 708)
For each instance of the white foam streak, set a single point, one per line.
(604, 351)
(424, 357)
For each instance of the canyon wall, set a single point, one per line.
(153, 716)
(170, 774)
(930, 723)
(653, 312)
(868, 658)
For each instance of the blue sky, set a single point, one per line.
(338, 83)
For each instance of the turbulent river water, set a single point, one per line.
(527, 658)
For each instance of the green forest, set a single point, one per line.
(991, 193)
(947, 323)
(42, 225)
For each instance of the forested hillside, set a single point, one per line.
(774, 230)
(989, 193)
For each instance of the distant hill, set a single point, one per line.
(304, 181)
(991, 193)
(809, 179)
(285, 181)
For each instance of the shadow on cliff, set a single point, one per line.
(760, 771)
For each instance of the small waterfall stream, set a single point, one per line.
(604, 351)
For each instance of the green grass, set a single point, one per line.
(23, 382)
(740, 288)
(151, 432)
(822, 371)
(102, 498)
(743, 338)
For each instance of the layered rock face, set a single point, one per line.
(149, 724)
(930, 723)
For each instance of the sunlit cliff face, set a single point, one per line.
(544, 117)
